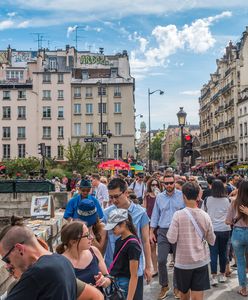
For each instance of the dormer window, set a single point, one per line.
(52, 63)
(85, 74)
(114, 72)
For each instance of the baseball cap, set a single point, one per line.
(115, 217)
(85, 184)
(87, 211)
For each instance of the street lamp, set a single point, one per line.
(139, 115)
(181, 115)
(149, 125)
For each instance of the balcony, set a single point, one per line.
(204, 146)
(221, 108)
(231, 121)
(221, 125)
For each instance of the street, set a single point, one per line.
(224, 291)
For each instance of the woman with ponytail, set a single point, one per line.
(88, 263)
(127, 251)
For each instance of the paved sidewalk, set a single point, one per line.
(224, 291)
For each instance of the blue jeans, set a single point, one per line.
(123, 283)
(219, 249)
(240, 245)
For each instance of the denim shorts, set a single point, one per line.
(123, 283)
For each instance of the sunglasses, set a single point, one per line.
(115, 196)
(169, 183)
(154, 184)
(5, 258)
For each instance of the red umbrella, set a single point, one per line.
(114, 165)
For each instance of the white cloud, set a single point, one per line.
(89, 28)
(195, 37)
(6, 24)
(23, 24)
(12, 14)
(70, 29)
(191, 93)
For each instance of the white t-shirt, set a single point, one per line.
(102, 194)
(138, 188)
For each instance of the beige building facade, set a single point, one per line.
(223, 108)
(53, 97)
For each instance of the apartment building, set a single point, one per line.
(223, 108)
(53, 97)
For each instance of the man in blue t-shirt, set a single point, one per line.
(84, 193)
(119, 195)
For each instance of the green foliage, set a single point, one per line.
(81, 157)
(22, 165)
(57, 172)
(175, 146)
(156, 151)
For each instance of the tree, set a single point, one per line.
(22, 165)
(80, 157)
(156, 151)
(175, 146)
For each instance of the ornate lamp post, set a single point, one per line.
(181, 115)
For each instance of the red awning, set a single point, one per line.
(114, 165)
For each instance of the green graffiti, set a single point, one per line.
(94, 60)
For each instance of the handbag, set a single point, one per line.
(113, 292)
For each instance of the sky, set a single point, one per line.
(172, 44)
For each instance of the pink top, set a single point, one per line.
(191, 252)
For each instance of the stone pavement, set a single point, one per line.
(224, 291)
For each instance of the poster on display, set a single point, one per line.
(42, 207)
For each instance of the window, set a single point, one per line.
(89, 128)
(117, 107)
(77, 109)
(48, 151)
(46, 112)
(245, 128)
(104, 150)
(60, 154)
(245, 110)
(21, 111)
(241, 129)
(240, 111)
(117, 128)
(89, 108)
(21, 132)
(21, 95)
(104, 108)
(46, 78)
(46, 132)
(6, 132)
(46, 95)
(77, 92)
(85, 74)
(60, 94)
(21, 150)
(6, 112)
(60, 132)
(77, 129)
(104, 128)
(241, 152)
(60, 112)
(246, 152)
(6, 95)
(103, 89)
(117, 91)
(6, 151)
(52, 63)
(114, 72)
(88, 92)
(117, 151)
(60, 78)
(13, 74)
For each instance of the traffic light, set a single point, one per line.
(188, 145)
(42, 149)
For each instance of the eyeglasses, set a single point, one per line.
(169, 183)
(87, 235)
(115, 196)
(5, 258)
(154, 184)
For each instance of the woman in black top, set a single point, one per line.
(127, 251)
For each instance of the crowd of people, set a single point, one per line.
(120, 232)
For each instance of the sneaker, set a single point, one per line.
(222, 278)
(163, 293)
(214, 281)
(176, 294)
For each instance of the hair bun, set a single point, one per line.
(16, 221)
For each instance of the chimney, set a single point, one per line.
(101, 50)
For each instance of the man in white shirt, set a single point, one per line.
(101, 189)
(138, 186)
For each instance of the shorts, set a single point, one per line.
(194, 279)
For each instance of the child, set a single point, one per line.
(127, 252)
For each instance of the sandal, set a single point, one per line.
(243, 293)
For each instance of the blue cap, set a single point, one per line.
(85, 184)
(87, 211)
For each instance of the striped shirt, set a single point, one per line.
(191, 252)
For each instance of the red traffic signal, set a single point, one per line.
(188, 137)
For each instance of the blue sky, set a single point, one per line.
(172, 44)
